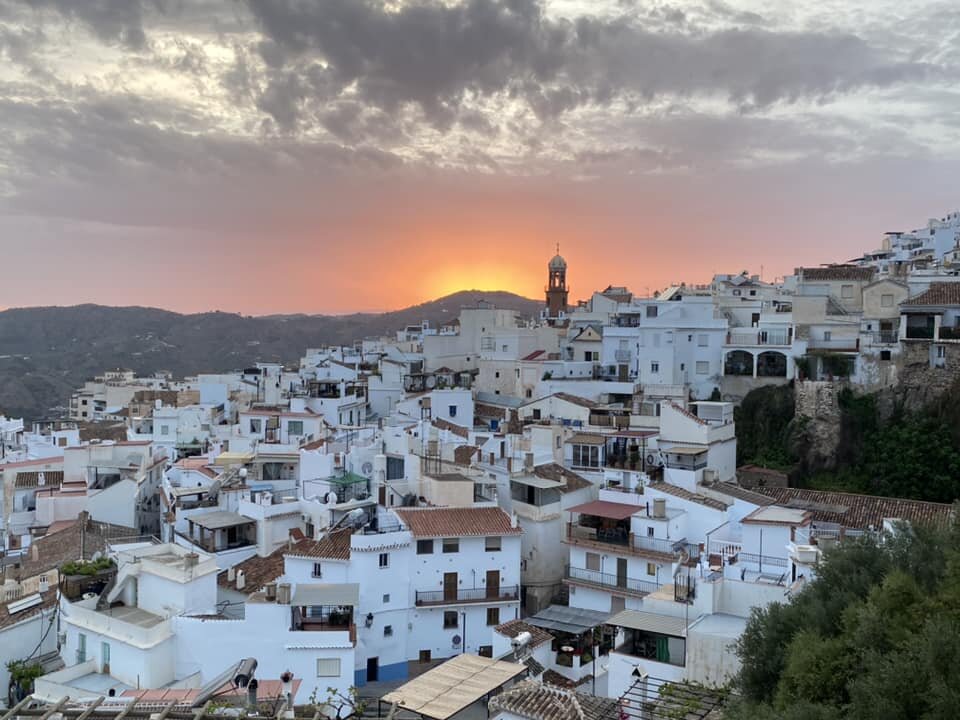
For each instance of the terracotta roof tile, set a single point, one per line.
(258, 571)
(458, 430)
(858, 511)
(457, 521)
(538, 636)
(27, 479)
(332, 546)
(48, 601)
(537, 701)
(687, 495)
(554, 471)
(837, 272)
(463, 454)
(576, 400)
(686, 413)
(939, 293)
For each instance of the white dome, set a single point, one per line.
(558, 263)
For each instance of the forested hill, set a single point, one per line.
(46, 352)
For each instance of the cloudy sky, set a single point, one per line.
(269, 156)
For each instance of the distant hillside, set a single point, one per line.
(46, 352)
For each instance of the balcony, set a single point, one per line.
(608, 581)
(463, 596)
(621, 356)
(780, 338)
(884, 337)
(620, 540)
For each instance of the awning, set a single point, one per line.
(534, 481)
(684, 450)
(606, 509)
(585, 439)
(307, 594)
(650, 622)
(220, 519)
(445, 690)
(233, 458)
(575, 621)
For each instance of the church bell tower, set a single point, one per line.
(557, 290)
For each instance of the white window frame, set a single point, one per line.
(325, 667)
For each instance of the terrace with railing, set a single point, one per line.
(609, 581)
(462, 596)
(618, 538)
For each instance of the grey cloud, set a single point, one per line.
(438, 57)
(119, 21)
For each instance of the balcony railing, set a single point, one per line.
(627, 542)
(609, 581)
(459, 596)
(920, 332)
(759, 337)
(762, 560)
(884, 337)
(621, 356)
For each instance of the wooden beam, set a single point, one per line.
(166, 711)
(54, 708)
(89, 711)
(202, 711)
(128, 708)
(12, 712)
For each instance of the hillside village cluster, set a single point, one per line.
(520, 514)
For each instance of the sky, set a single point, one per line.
(272, 156)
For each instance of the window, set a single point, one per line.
(593, 561)
(452, 410)
(827, 335)
(493, 616)
(618, 603)
(492, 544)
(504, 348)
(451, 619)
(496, 374)
(586, 456)
(424, 547)
(753, 293)
(81, 648)
(517, 371)
(536, 413)
(884, 354)
(886, 300)
(424, 656)
(689, 338)
(651, 569)
(388, 630)
(703, 367)
(736, 293)
(650, 531)
(386, 598)
(317, 570)
(703, 340)
(846, 292)
(651, 311)
(559, 442)
(654, 367)
(451, 545)
(529, 393)
(384, 560)
(941, 351)
(164, 429)
(328, 667)
(255, 426)
(485, 651)
(295, 427)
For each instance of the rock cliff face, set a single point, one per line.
(923, 375)
(817, 425)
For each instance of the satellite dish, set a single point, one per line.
(431, 381)
(367, 468)
(457, 640)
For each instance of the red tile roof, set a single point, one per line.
(606, 509)
(939, 293)
(538, 636)
(458, 430)
(576, 400)
(457, 521)
(680, 492)
(332, 546)
(258, 571)
(859, 511)
(688, 414)
(28, 479)
(837, 272)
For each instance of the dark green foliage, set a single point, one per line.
(763, 427)
(81, 567)
(876, 635)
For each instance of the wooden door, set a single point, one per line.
(450, 586)
(493, 583)
(621, 572)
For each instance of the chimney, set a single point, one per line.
(514, 521)
(283, 594)
(271, 590)
(231, 574)
(35, 552)
(191, 560)
(241, 579)
(659, 507)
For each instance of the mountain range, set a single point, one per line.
(47, 352)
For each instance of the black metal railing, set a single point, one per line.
(468, 595)
(610, 581)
